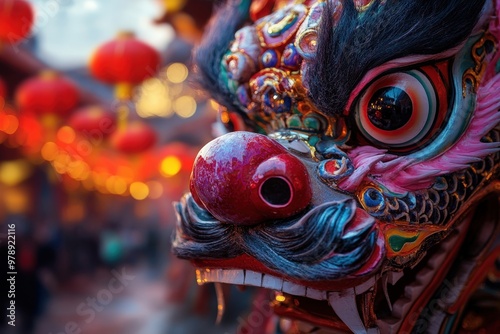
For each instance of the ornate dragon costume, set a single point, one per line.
(363, 187)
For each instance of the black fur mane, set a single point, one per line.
(387, 31)
(208, 55)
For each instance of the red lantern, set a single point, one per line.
(133, 138)
(124, 61)
(93, 121)
(47, 94)
(16, 20)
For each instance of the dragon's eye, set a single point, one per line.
(398, 109)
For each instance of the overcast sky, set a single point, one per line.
(67, 31)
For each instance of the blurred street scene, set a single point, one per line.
(99, 127)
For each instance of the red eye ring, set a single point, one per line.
(420, 91)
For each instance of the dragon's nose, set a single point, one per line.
(246, 178)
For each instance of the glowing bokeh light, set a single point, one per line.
(66, 135)
(155, 189)
(139, 190)
(116, 185)
(185, 106)
(170, 166)
(154, 100)
(49, 151)
(14, 172)
(9, 124)
(15, 199)
(177, 73)
(280, 298)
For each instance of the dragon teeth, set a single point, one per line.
(315, 294)
(232, 276)
(272, 282)
(294, 289)
(344, 305)
(343, 302)
(394, 276)
(253, 278)
(363, 287)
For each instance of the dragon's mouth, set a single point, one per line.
(373, 295)
(395, 293)
(333, 245)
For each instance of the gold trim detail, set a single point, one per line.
(473, 75)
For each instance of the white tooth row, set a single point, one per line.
(252, 278)
(343, 302)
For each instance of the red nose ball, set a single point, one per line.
(246, 178)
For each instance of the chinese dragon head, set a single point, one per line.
(359, 176)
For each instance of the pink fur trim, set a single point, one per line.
(401, 174)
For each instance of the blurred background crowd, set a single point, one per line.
(99, 127)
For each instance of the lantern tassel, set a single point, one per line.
(123, 91)
(121, 118)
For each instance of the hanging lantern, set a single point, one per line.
(135, 137)
(125, 62)
(16, 21)
(47, 94)
(95, 121)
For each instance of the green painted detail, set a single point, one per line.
(312, 123)
(294, 122)
(497, 67)
(313, 140)
(397, 242)
(223, 75)
(260, 130)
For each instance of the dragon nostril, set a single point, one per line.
(276, 191)
(246, 179)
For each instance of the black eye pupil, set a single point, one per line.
(390, 108)
(276, 191)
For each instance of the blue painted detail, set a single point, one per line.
(325, 170)
(291, 57)
(301, 248)
(461, 107)
(269, 58)
(276, 102)
(243, 97)
(373, 199)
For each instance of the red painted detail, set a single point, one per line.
(261, 8)
(331, 167)
(231, 171)
(298, 314)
